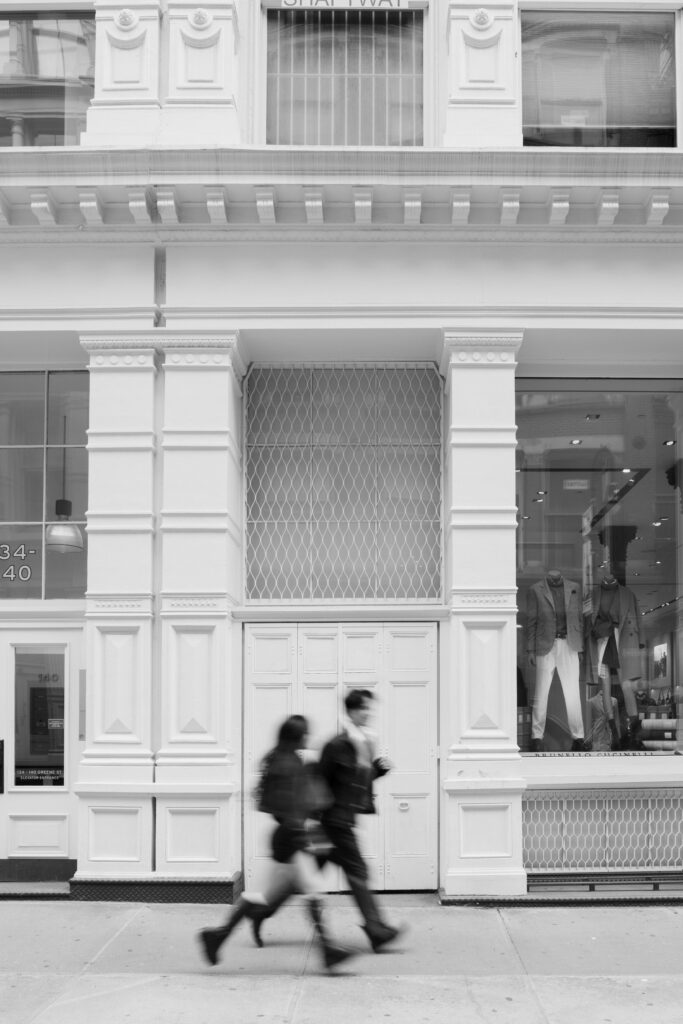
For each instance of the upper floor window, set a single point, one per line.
(46, 78)
(344, 78)
(43, 484)
(598, 78)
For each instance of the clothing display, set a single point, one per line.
(554, 640)
(615, 619)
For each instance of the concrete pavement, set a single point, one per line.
(65, 962)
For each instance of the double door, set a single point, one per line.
(307, 669)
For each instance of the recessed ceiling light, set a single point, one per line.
(636, 574)
(541, 492)
(576, 440)
(668, 443)
(538, 501)
(656, 522)
(626, 471)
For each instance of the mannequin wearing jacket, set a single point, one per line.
(613, 646)
(554, 641)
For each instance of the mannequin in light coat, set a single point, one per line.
(554, 640)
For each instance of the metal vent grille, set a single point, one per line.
(343, 484)
(583, 830)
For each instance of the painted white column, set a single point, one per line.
(482, 779)
(117, 767)
(483, 105)
(126, 105)
(200, 103)
(200, 524)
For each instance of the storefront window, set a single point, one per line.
(47, 68)
(43, 484)
(598, 78)
(38, 717)
(599, 567)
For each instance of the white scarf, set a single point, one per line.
(363, 742)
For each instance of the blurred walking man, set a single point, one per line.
(349, 765)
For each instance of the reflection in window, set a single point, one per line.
(598, 79)
(43, 484)
(344, 78)
(38, 717)
(344, 484)
(46, 79)
(600, 578)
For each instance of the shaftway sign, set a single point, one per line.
(347, 5)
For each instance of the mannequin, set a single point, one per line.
(614, 654)
(554, 640)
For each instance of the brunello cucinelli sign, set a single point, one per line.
(346, 5)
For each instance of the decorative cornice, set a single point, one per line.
(518, 194)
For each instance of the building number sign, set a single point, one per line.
(18, 569)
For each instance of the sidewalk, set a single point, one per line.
(122, 963)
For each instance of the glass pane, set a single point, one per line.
(598, 79)
(21, 485)
(46, 79)
(371, 57)
(67, 408)
(21, 561)
(67, 478)
(344, 560)
(22, 408)
(39, 718)
(344, 484)
(323, 514)
(599, 569)
(65, 574)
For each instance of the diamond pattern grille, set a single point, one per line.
(603, 829)
(343, 485)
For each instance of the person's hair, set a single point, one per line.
(292, 732)
(357, 698)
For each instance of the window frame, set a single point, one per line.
(257, 70)
(609, 7)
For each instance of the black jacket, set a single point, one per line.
(350, 783)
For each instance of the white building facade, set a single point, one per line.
(329, 332)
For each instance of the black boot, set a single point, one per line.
(332, 954)
(261, 912)
(211, 939)
(378, 931)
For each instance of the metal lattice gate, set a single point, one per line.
(602, 830)
(343, 484)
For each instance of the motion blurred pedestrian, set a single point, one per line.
(290, 791)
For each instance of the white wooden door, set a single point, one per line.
(308, 669)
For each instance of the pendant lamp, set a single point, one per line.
(63, 537)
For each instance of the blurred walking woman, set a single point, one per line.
(289, 791)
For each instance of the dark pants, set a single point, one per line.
(347, 855)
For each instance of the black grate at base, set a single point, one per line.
(157, 890)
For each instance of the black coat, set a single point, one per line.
(350, 783)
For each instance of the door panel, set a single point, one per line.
(410, 802)
(271, 671)
(307, 669)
